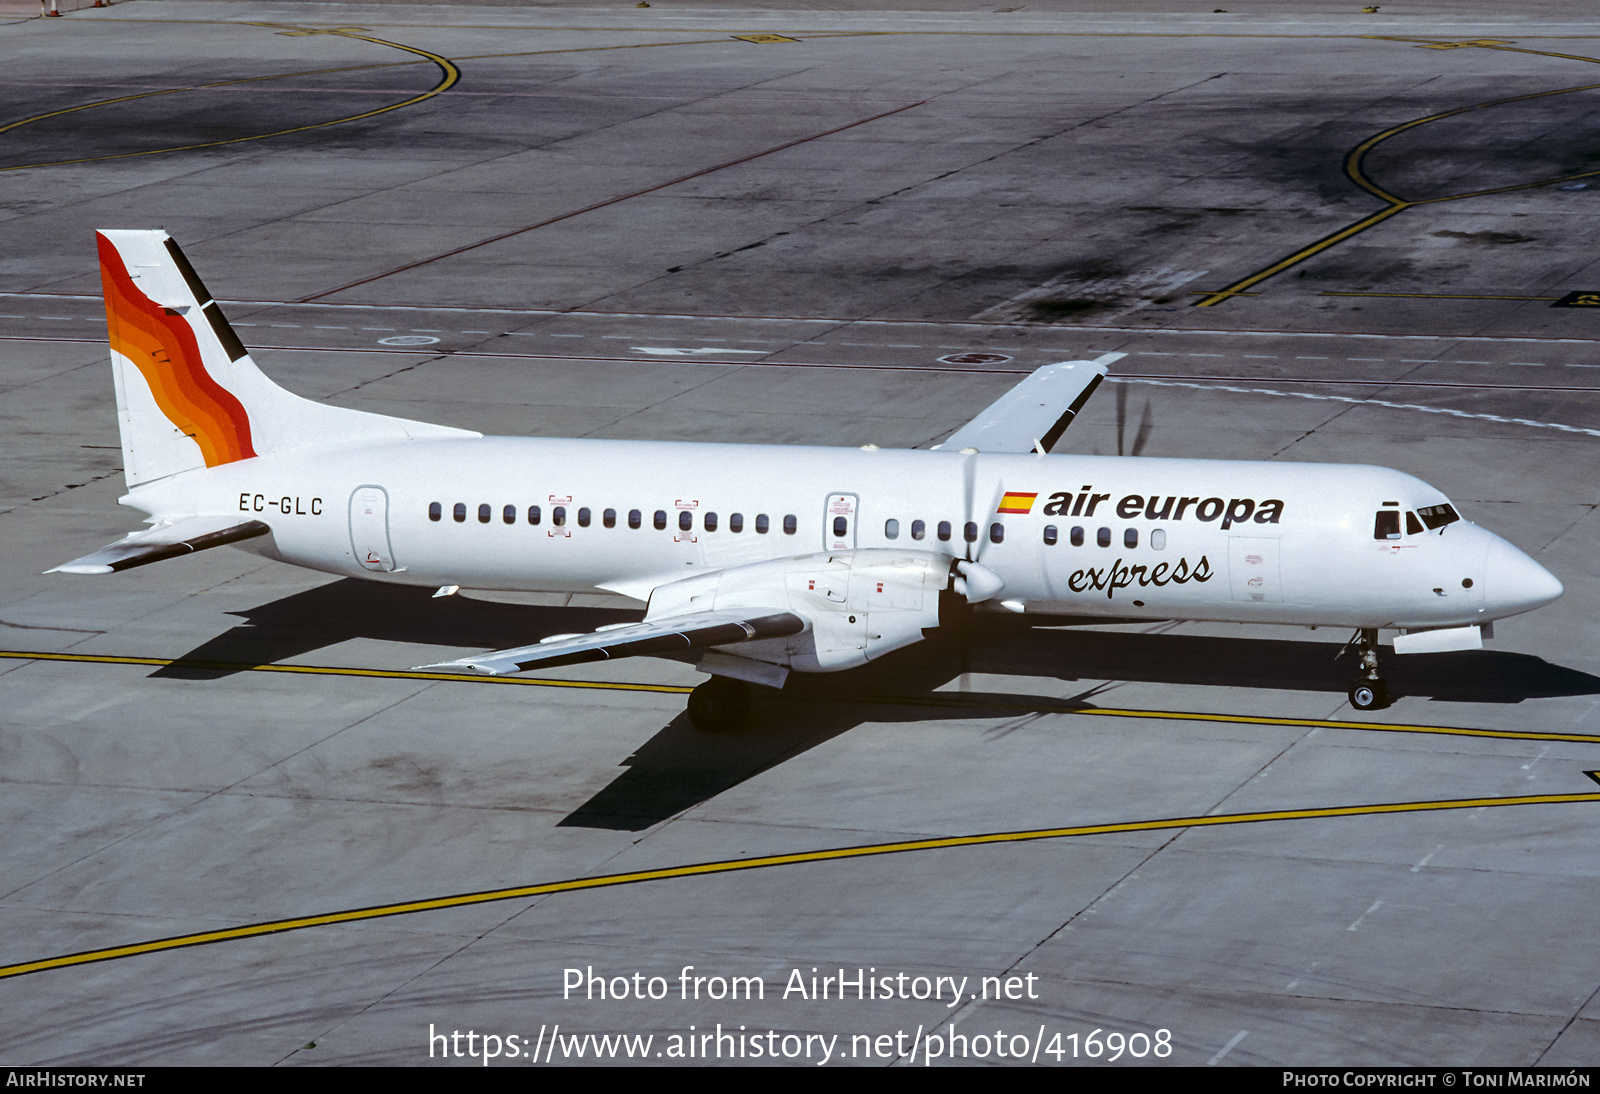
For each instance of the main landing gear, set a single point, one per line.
(719, 704)
(1368, 691)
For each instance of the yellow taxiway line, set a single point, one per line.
(726, 866)
(943, 700)
(449, 76)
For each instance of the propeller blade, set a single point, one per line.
(1122, 415)
(1146, 423)
(969, 485)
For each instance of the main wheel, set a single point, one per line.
(719, 704)
(1369, 694)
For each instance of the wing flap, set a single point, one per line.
(1036, 412)
(166, 540)
(672, 635)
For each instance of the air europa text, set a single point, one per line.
(1171, 507)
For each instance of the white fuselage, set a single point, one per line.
(1303, 551)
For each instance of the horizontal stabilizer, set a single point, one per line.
(1035, 413)
(684, 632)
(166, 540)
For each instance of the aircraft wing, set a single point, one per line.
(167, 539)
(683, 632)
(1033, 415)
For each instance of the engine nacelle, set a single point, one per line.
(859, 604)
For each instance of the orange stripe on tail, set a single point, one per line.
(162, 346)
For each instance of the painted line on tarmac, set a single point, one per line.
(1436, 295)
(702, 869)
(846, 321)
(608, 202)
(1203, 382)
(1355, 170)
(947, 701)
(1352, 401)
(449, 75)
(336, 670)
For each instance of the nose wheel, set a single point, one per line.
(719, 705)
(1369, 690)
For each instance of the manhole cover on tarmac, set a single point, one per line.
(407, 340)
(974, 359)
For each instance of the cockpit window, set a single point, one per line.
(1387, 526)
(1437, 516)
(1413, 525)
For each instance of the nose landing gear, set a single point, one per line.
(1369, 690)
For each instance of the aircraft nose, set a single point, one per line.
(1513, 582)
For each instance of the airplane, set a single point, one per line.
(764, 560)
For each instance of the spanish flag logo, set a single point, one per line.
(1021, 504)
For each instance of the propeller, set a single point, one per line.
(974, 581)
(1146, 423)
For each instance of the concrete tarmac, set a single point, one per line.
(1318, 234)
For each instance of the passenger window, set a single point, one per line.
(1413, 525)
(997, 532)
(790, 524)
(1387, 525)
(660, 519)
(435, 510)
(1077, 535)
(735, 522)
(1050, 535)
(459, 512)
(970, 532)
(609, 518)
(944, 531)
(533, 514)
(919, 529)
(635, 518)
(1130, 538)
(484, 513)
(1158, 540)
(509, 514)
(583, 517)
(685, 520)
(558, 515)
(761, 524)
(711, 522)
(1103, 537)
(841, 526)
(891, 529)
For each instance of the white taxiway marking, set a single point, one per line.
(1426, 857)
(1376, 904)
(668, 351)
(1358, 402)
(1227, 1048)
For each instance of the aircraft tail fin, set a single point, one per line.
(188, 394)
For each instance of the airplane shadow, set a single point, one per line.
(682, 766)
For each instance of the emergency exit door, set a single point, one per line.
(839, 523)
(369, 529)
